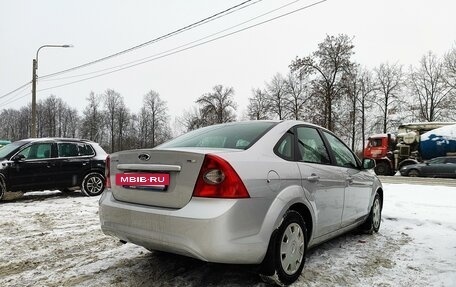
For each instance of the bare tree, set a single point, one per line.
(328, 65)
(15, 124)
(365, 99)
(192, 119)
(428, 82)
(349, 115)
(122, 120)
(218, 106)
(8, 122)
(297, 90)
(49, 108)
(71, 121)
(155, 126)
(58, 119)
(277, 96)
(40, 119)
(258, 108)
(112, 101)
(92, 123)
(450, 68)
(390, 82)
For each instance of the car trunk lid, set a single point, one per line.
(180, 167)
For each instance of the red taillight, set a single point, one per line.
(217, 178)
(108, 172)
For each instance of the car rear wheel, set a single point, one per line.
(291, 247)
(287, 250)
(413, 173)
(93, 184)
(374, 219)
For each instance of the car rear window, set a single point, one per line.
(238, 135)
(85, 149)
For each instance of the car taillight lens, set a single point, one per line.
(108, 172)
(218, 179)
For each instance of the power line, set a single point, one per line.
(168, 35)
(15, 99)
(16, 90)
(173, 49)
(173, 33)
(181, 49)
(190, 47)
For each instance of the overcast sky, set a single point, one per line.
(383, 31)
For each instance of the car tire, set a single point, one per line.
(382, 168)
(413, 173)
(372, 223)
(290, 247)
(93, 184)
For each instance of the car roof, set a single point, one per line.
(56, 139)
(281, 122)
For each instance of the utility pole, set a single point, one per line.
(34, 78)
(33, 131)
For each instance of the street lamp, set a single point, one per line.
(34, 78)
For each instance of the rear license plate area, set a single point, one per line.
(143, 181)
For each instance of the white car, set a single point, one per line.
(256, 192)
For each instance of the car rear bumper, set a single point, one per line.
(214, 230)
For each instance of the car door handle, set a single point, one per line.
(349, 180)
(313, 178)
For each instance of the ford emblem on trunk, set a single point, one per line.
(144, 156)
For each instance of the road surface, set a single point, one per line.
(418, 180)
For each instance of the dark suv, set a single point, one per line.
(52, 163)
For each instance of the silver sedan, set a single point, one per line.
(255, 192)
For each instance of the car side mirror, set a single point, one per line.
(18, 157)
(368, 163)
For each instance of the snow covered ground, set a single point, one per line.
(54, 239)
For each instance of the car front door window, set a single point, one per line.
(37, 151)
(342, 154)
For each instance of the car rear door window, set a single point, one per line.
(311, 146)
(68, 150)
